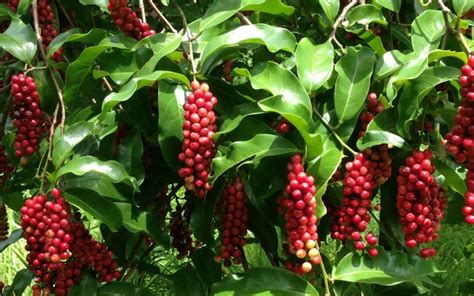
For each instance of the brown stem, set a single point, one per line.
(50, 145)
(142, 10)
(339, 20)
(189, 36)
(243, 18)
(325, 274)
(162, 17)
(107, 84)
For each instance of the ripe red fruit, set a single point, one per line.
(283, 126)
(128, 21)
(180, 230)
(198, 147)
(48, 25)
(420, 201)
(299, 205)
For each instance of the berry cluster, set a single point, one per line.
(48, 24)
(460, 140)
(12, 4)
(180, 230)
(3, 222)
(59, 247)
(128, 21)
(5, 168)
(468, 209)
(299, 205)
(198, 148)
(351, 218)
(27, 115)
(283, 126)
(234, 218)
(420, 201)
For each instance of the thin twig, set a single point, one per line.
(189, 36)
(325, 274)
(107, 84)
(459, 36)
(333, 131)
(339, 20)
(243, 18)
(68, 18)
(34, 7)
(35, 69)
(50, 146)
(162, 17)
(142, 10)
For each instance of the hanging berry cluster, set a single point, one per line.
(128, 21)
(3, 222)
(460, 140)
(48, 25)
(233, 213)
(5, 168)
(27, 115)
(381, 161)
(351, 218)
(58, 247)
(420, 202)
(198, 148)
(299, 206)
(180, 230)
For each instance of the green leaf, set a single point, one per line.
(314, 63)
(427, 30)
(161, 45)
(122, 289)
(324, 166)
(239, 114)
(387, 64)
(88, 164)
(454, 179)
(170, 122)
(13, 238)
(207, 269)
(462, 6)
(374, 138)
(64, 143)
(264, 281)
(19, 40)
(274, 38)
(74, 35)
(416, 90)
(387, 269)
(330, 8)
(127, 91)
(221, 10)
(187, 283)
(23, 6)
(438, 54)
(262, 145)
(136, 220)
(101, 3)
(96, 182)
(21, 281)
(393, 5)
(130, 153)
(95, 205)
(87, 286)
(365, 14)
(352, 85)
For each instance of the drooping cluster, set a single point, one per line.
(4, 229)
(128, 21)
(60, 247)
(299, 205)
(27, 115)
(180, 230)
(198, 148)
(381, 161)
(351, 218)
(420, 202)
(233, 213)
(5, 168)
(468, 209)
(48, 25)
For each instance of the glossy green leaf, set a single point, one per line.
(416, 90)
(19, 40)
(89, 164)
(101, 3)
(365, 14)
(13, 238)
(170, 122)
(127, 91)
(264, 281)
(161, 45)
(438, 54)
(221, 10)
(87, 286)
(122, 289)
(393, 5)
(23, 6)
(238, 115)
(375, 138)
(427, 30)
(130, 152)
(74, 35)
(95, 205)
(64, 143)
(372, 40)
(21, 281)
(454, 179)
(136, 220)
(462, 6)
(274, 38)
(96, 182)
(207, 269)
(324, 166)
(330, 8)
(387, 64)
(262, 145)
(352, 85)
(314, 63)
(187, 283)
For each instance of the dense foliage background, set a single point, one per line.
(290, 77)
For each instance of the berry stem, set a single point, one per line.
(325, 274)
(333, 131)
(162, 17)
(50, 147)
(189, 36)
(142, 10)
(459, 36)
(339, 20)
(243, 18)
(384, 230)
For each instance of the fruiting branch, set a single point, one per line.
(142, 10)
(326, 277)
(162, 17)
(339, 20)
